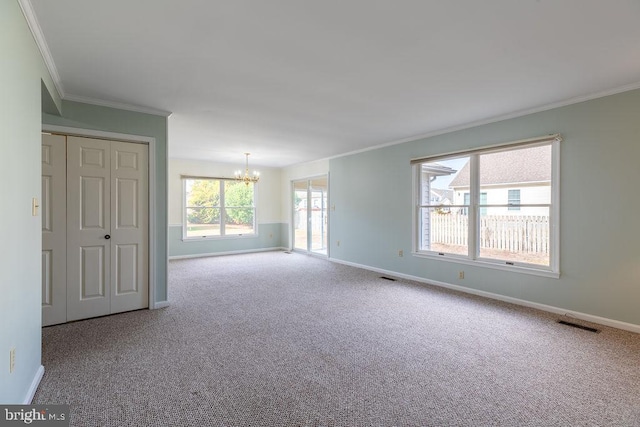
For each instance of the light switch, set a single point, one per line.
(34, 206)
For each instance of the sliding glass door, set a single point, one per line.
(300, 215)
(310, 219)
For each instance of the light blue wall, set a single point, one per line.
(285, 236)
(22, 77)
(269, 237)
(599, 234)
(86, 116)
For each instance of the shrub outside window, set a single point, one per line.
(218, 207)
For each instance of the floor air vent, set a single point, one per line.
(575, 325)
(388, 278)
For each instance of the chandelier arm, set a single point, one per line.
(247, 179)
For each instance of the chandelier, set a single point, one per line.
(246, 178)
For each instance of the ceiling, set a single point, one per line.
(298, 80)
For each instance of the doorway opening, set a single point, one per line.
(310, 215)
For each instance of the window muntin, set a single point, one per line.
(218, 207)
(506, 195)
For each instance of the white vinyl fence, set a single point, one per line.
(514, 233)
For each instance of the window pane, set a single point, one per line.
(203, 222)
(444, 232)
(239, 221)
(318, 214)
(516, 237)
(444, 182)
(202, 192)
(238, 194)
(202, 207)
(238, 201)
(524, 171)
(300, 218)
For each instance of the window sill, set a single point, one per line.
(213, 238)
(490, 264)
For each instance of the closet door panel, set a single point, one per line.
(129, 226)
(88, 227)
(54, 230)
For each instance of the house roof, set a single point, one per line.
(514, 166)
(442, 193)
(437, 169)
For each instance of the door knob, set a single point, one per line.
(107, 237)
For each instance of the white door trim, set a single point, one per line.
(151, 142)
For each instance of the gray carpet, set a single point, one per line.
(275, 339)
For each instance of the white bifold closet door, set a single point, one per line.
(54, 229)
(106, 227)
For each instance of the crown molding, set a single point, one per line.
(36, 31)
(494, 119)
(38, 35)
(117, 105)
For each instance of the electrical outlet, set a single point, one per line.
(400, 253)
(12, 360)
(461, 275)
(270, 235)
(338, 243)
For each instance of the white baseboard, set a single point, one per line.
(34, 386)
(246, 251)
(549, 308)
(160, 304)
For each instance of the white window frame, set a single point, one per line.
(473, 258)
(223, 234)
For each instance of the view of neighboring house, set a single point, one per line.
(512, 216)
(509, 178)
(429, 193)
(441, 196)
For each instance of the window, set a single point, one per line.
(488, 220)
(514, 200)
(435, 219)
(218, 207)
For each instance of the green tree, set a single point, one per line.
(204, 196)
(239, 195)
